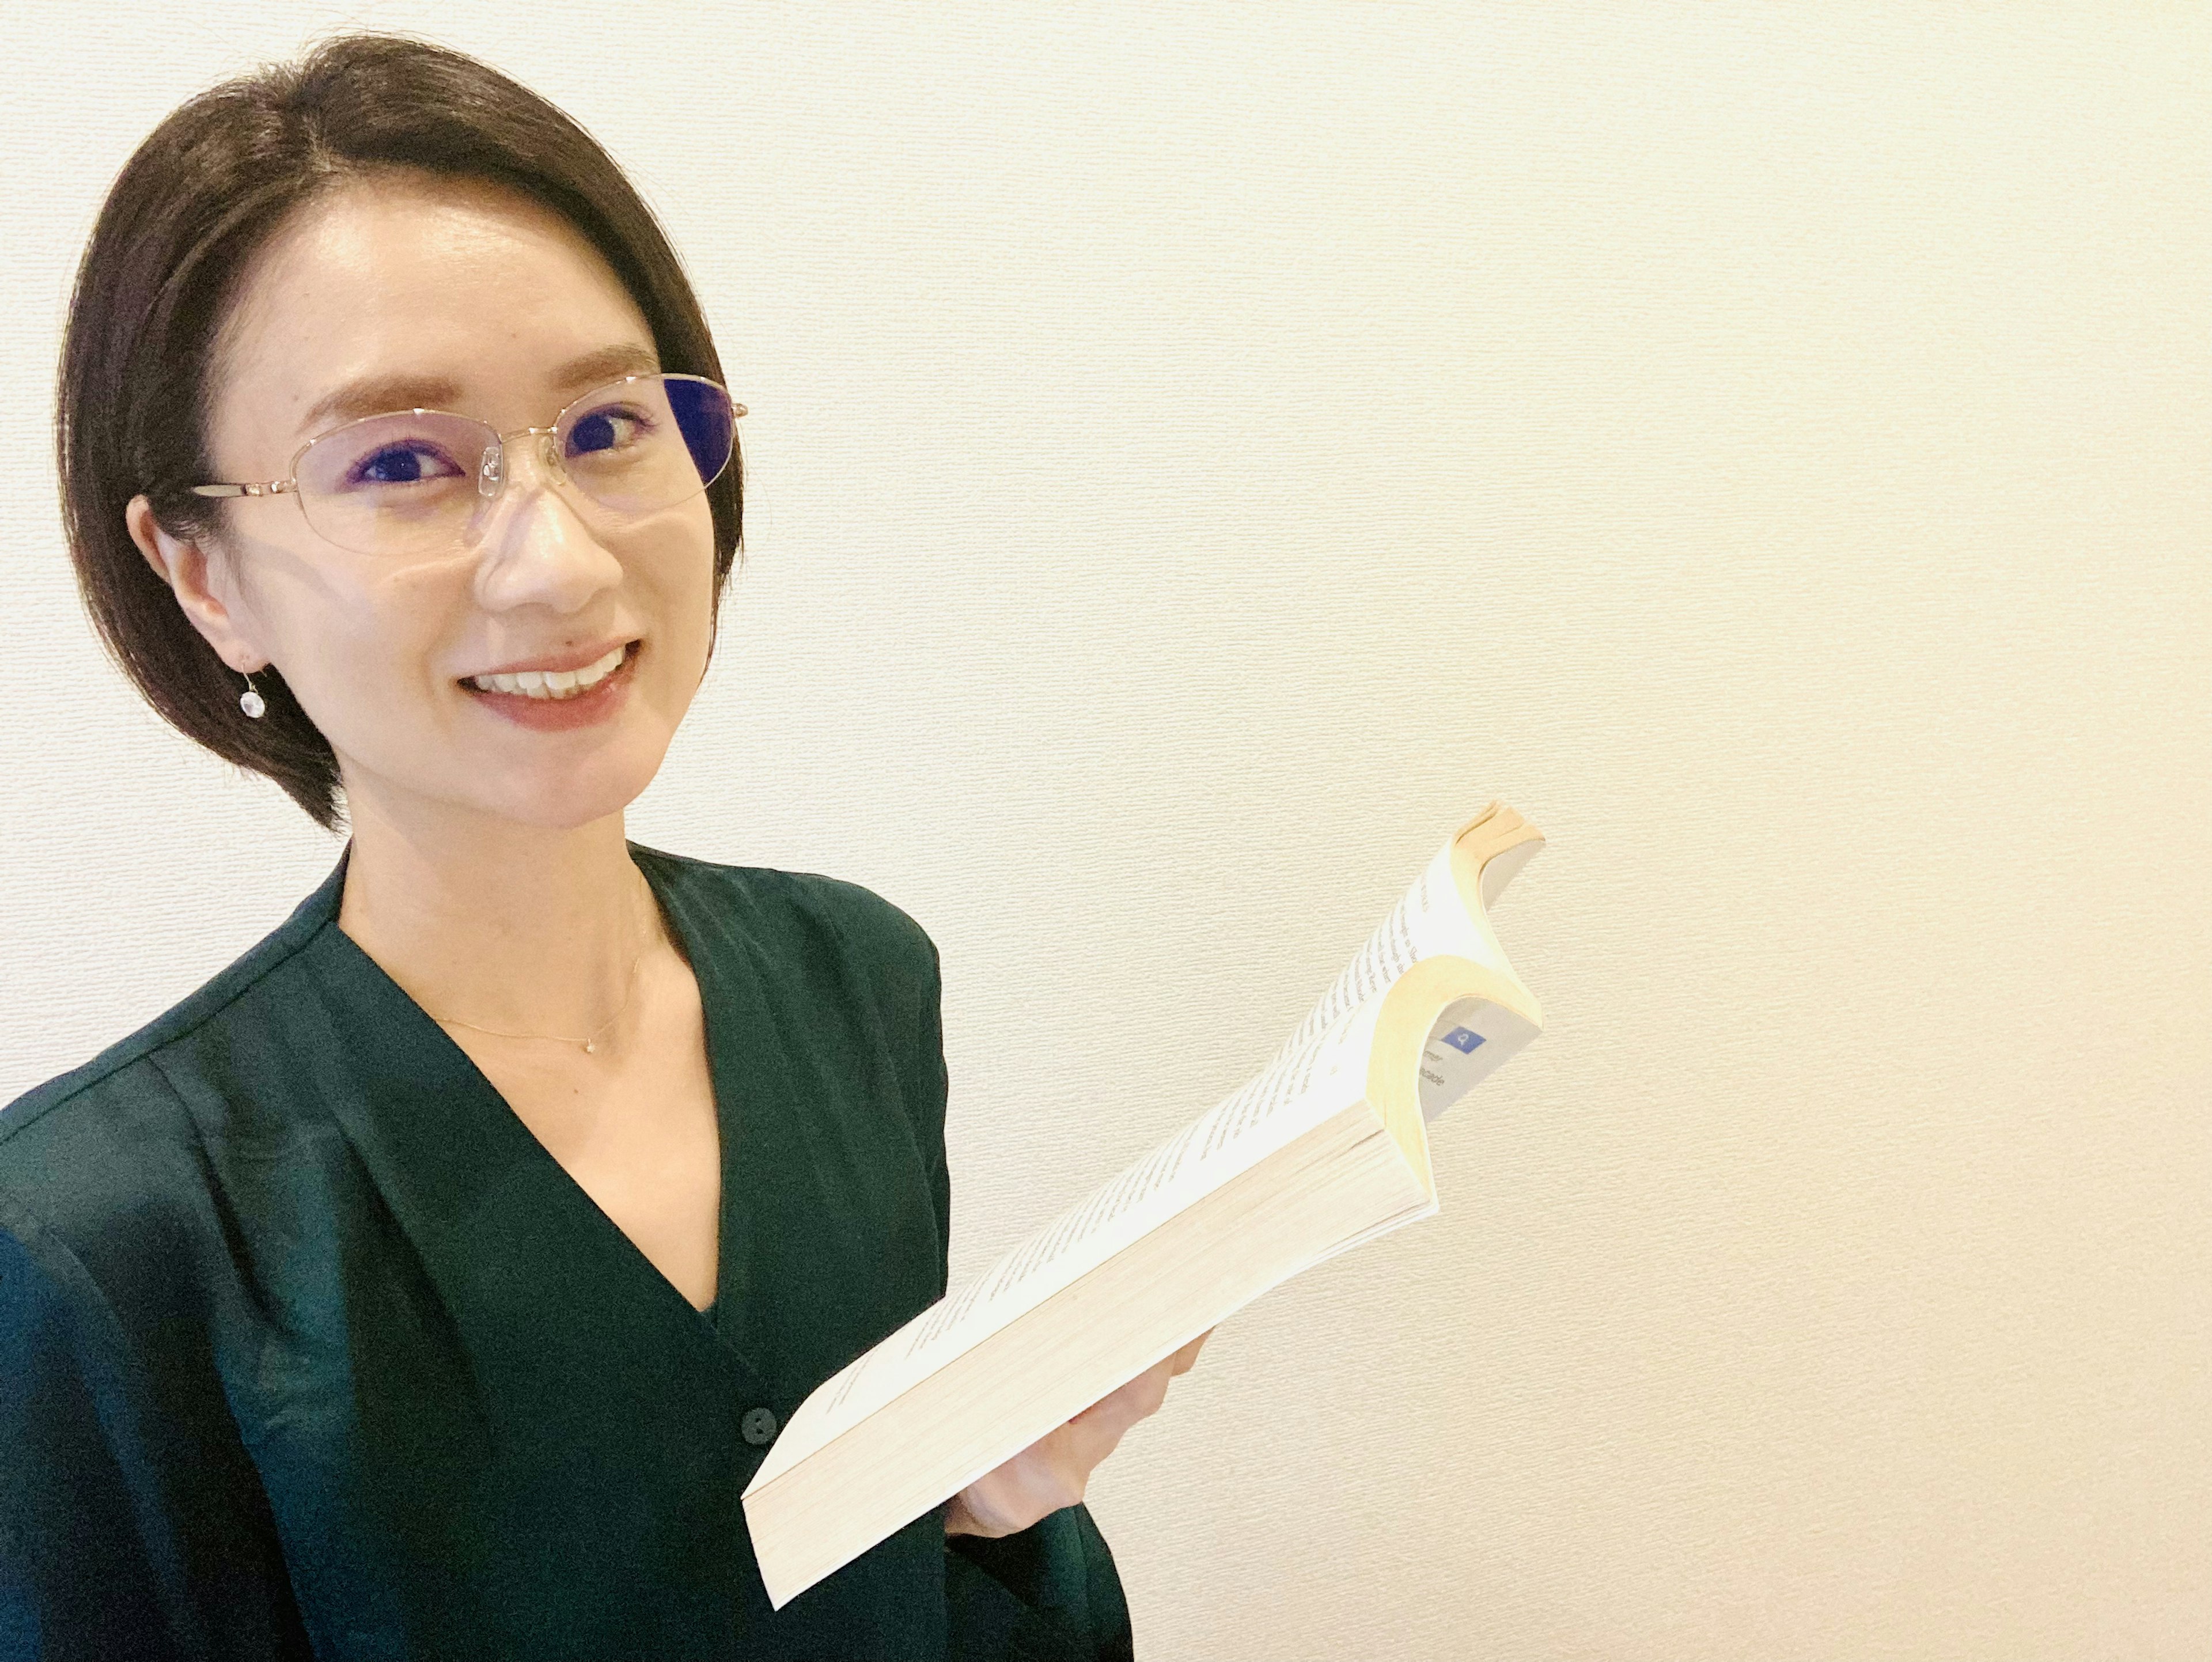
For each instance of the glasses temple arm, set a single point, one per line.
(274, 488)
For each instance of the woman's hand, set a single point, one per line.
(1050, 1473)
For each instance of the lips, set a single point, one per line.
(554, 698)
(552, 683)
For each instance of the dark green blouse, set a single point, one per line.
(308, 1347)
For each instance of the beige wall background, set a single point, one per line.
(1200, 454)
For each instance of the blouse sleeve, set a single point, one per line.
(1050, 1592)
(113, 1547)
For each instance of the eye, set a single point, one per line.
(402, 464)
(610, 427)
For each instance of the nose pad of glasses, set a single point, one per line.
(490, 470)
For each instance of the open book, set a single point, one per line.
(1325, 1149)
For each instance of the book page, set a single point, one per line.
(1429, 919)
(1453, 1061)
(1457, 1055)
(1300, 1090)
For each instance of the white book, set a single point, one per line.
(1325, 1149)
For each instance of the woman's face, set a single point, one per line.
(408, 290)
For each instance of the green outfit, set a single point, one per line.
(309, 1348)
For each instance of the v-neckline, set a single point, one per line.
(725, 1004)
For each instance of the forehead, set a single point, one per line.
(406, 279)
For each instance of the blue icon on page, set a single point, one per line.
(1460, 1039)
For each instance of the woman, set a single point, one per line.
(430, 1283)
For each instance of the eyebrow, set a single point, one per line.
(379, 395)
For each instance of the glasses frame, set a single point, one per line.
(290, 485)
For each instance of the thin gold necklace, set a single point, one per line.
(591, 1044)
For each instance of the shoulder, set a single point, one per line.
(105, 1196)
(101, 1154)
(848, 978)
(800, 917)
(97, 1186)
(123, 1067)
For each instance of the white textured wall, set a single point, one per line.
(1198, 455)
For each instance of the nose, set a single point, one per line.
(533, 548)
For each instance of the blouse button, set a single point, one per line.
(759, 1426)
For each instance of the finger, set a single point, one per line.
(1093, 1434)
(1136, 1399)
(1058, 1466)
(1017, 1495)
(960, 1518)
(1076, 1449)
(1188, 1355)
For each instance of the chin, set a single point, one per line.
(553, 782)
(562, 799)
(565, 804)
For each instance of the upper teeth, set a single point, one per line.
(554, 682)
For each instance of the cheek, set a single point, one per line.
(697, 564)
(358, 651)
(678, 573)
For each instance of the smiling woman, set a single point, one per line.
(445, 550)
(431, 1281)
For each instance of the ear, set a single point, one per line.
(183, 565)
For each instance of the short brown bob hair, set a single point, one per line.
(207, 188)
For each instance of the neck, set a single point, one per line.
(487, 921)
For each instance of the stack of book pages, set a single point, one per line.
(1325, 1147)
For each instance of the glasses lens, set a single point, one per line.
(648, 442)
(395, 485)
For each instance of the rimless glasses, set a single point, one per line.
(420, 482)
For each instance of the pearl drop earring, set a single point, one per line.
(252, 702)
